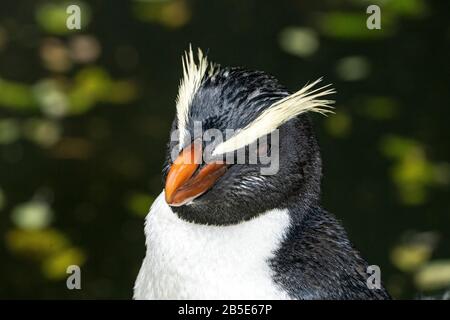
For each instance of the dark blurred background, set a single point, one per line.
(85, 115)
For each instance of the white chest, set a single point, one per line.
(190, 261)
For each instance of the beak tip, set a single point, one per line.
(168, 197)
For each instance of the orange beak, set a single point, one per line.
(183, 184)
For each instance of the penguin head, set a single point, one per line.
(240, 144)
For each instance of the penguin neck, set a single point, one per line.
(303, 202)
(304, 197)
(225, 261)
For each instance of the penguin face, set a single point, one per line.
(204, 182)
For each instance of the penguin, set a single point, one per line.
(223, 229)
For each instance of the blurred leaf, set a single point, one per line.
(397, 147)
(94, 80)
(41, 131)
(171, 13)
(35, 244)
(412, 171)
(84, 48)
(55, 98)
(441, 173)
(33, 215)
(380, 108)
(52, 16)
(139, 203)
(121, 91)
(410, 8)
(55, 55)
(409, 257)
(414, 250)
(54, 267)
(15, 95)
(353, 68)
(434, 275)
(413, 174)
(51, 98)
(302, 42)
(91, 84)
(339, 124)
(407, 7)
(9, 131)
(352, 25)
(47, 246)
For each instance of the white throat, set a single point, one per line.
(191, 261)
